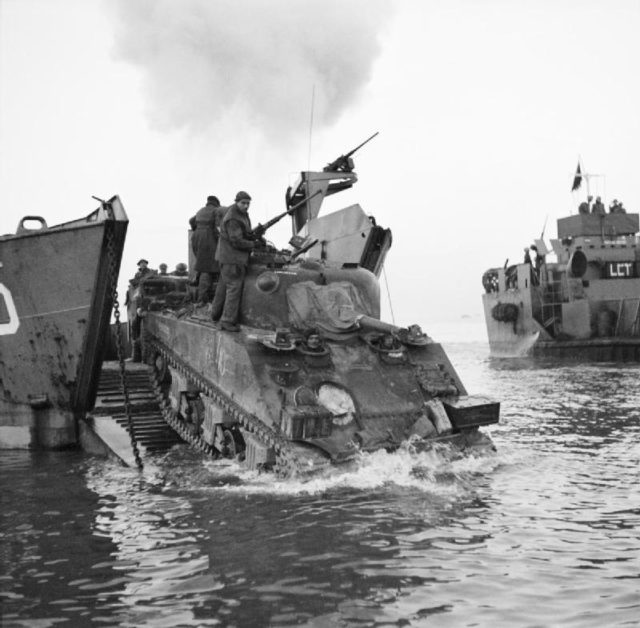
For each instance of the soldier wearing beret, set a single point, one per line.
(235, 246)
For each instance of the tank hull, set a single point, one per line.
(56, 305)
(251, 385)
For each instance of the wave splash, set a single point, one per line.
(441, 470)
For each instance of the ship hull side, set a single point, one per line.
(511, 338)
(527, 337)
(594, 350)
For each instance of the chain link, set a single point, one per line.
(113, 277)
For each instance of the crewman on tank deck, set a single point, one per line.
(163, 269)
(204, 243)
(181, 270)
(143, 271)
(235, 246)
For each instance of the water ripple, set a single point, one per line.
(544, 532)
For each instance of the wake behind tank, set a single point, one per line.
(314, 376)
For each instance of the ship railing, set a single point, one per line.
(621, 316)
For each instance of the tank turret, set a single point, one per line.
(314, 376)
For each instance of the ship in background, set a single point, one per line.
(56, 296)
(585, 304)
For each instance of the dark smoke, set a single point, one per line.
(208, 64)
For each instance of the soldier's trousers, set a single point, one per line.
(136, 340)
(205, 286)
(226, 302)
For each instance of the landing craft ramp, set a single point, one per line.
(106, 428)
(56, 297)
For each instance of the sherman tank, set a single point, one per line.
(314, 376)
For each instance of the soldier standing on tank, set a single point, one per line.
(204, 242)
(235, 245)
(163, 269)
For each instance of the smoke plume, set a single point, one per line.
(212, 63)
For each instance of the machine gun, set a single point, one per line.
(260, 230)
(344, 163)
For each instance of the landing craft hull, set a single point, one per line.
(585, 305)
(526, 336)
(55, 307)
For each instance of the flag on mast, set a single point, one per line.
(577, 179)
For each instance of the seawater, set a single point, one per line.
(544, 532)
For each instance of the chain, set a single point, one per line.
(113, 276)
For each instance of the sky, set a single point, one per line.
(483, 108)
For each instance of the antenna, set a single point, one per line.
(313, 100)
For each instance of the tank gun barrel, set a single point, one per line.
(260, 230)
(373, 324)
(344, 162)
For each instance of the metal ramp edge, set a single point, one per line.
(105, 431)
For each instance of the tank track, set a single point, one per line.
(288, 462)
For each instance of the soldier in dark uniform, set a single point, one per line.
(181, 270)
(143, 271)
(204, 242)
(598, 207)
(163, 269)
(234, 248)
(135, 321)
(583, 208)
(616, 207)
